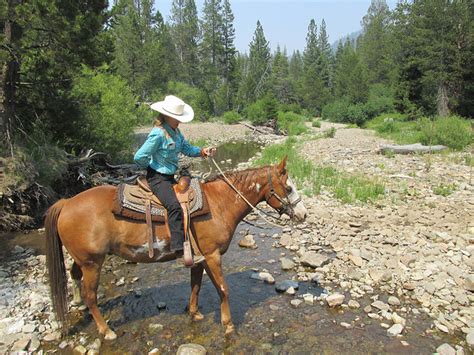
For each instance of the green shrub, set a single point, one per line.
(290, 107)
(231, 117)
(255, 113)
(108, 110)
(335, 111)
(316, 123)
(330, 133)
(453, 132)
(291, 122)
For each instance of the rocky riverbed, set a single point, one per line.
(397, 272)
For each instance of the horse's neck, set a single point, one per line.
(250, 184)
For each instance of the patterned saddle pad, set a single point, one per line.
(130, 202)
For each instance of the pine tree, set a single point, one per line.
(212, 48)
(434, 50)
(279, 81)
(185, 34)
(325, 61)
(259, 66)
(312, 87)
(350, 76)
(229, 55)
(143, 54)
(57, 39)
(376, 45)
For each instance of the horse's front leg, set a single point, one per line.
(214, 270)
(196, 280)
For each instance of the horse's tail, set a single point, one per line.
(55, 262)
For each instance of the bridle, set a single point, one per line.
(287, 206)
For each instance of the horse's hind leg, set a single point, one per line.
(76, 276)
(196, 281)
(91, 275)
(214, 269)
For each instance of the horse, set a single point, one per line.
(87, 228)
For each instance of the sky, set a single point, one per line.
(285, 23)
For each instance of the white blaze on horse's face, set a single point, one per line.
(300, 210)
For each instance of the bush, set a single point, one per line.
(336, 111)
(290, 108)
(255, 113)
(108, 110)
(293, 123)
(231, 117)
(453, 132)
(316, 123)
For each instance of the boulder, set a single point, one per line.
(313, 259)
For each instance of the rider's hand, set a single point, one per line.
(209, 151)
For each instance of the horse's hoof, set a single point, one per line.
(197, 316)
(110, 335)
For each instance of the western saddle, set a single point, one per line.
(138, 202)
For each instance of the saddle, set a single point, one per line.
(138, 202)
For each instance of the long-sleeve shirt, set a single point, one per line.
(161, 148)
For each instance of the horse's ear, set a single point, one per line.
(281, 167)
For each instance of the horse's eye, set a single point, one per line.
(288, 189)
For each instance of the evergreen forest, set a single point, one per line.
(79, 74)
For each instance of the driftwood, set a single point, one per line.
(262, 130)
(88, 156)
(416, 148)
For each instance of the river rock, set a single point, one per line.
(21, 344)
(191, 349)
(335, 299)
(398, 319)
(287, 264)
(393, 301)
(445, 349)
(353, 304)
(154, 351)
(469, 282)
(308, 298)
(263, 276)
(313, 259)
(295, 303)
(283, 286)
(380, 305)
(395, 330)
(290, 291)
(286, 240)
(248, 242)
(79, 350)
(470, 338)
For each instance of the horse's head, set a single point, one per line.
(281, 193)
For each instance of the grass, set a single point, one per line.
(200, 142)
(312, 178)
(444, 190)
(453, 132)
(316, 123)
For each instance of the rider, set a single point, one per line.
(159, 155)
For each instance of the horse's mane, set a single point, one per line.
(234, 175)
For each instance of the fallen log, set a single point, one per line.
(416, 148)
(258, 129)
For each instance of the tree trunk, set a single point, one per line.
(442, 101)
(8, 78)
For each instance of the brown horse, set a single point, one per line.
(88, 229)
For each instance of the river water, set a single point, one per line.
(149, 310)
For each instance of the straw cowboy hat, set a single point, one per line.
(173, 106)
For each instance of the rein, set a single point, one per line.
(254, 208)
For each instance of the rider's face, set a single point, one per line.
(172, 122)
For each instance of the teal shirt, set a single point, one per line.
(161, 149)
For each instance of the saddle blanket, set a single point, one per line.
(129, 202)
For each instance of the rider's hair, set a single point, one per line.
(159, 120)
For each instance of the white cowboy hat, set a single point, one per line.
(173, 106)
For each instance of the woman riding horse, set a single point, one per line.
(159, 155)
